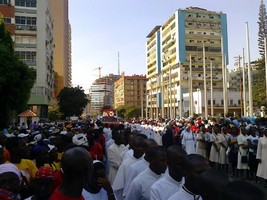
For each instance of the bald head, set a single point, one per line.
(174, 152)
(77, 162)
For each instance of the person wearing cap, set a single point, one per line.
(42, 185)
(98, 187)
(10, 179)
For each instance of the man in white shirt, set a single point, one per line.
(193, 166)
(173, 180)
(140, 165)
(140, 186)
(120, 179)
(114, 155)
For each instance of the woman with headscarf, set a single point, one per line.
(10, 179)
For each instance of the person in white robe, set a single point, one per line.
(201, 143)
(193, 166)
(223, 137)
(189, 140)
(262, 157)
(242, 141)
(173, 179)
(215, 148)
(122, 174)
(98, 187)
(114, 155)
(140, 165)
(140, 187)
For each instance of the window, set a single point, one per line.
(26, 3)
(239, 102)
(5, 2)
(209, 102)
(28, 23)
(222, 102)
(231, 102)
(7, 20)
(27, 55)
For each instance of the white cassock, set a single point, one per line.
(134, 171)
(184, 194)
(165, 187)
(140, 186)
(189, 142)
(101, 195)
(115, 160)
(107, 133)
(127, 153)
(262, 154)
(242, 139)
(122, 175)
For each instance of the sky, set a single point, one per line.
(102, 28)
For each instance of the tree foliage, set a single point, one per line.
(262, 27)
(16, 79)
(72, 101)
(129, 111)
(54, 114)
(259, 89)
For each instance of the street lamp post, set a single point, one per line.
(211, 90)
(205, 83)
(249, 74)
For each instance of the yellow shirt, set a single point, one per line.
(27, 168)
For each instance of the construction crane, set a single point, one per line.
(99, 71)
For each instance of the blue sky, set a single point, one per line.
(102, 28)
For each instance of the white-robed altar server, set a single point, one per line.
(262, 157)
(173, 179)
(140, 165)
(122, 174)
(114, 155)
(140, 187)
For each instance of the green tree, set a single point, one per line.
(72, 101)
(54, 114)
(129, 111)
(258, 89)
(262, 27)
(16, 79)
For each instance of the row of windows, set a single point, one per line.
(208, 49)
(7, 20)
(231, 102)
(5, 2)
(26, 3)
(21, 20)
(26, 55)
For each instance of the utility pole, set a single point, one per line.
(119, 72)
(191, 111)
(249, 74)
(244, 83)
(240, 84)
(265, 56)
(205, 83)
(211, 90)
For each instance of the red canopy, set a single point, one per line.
(27, 113)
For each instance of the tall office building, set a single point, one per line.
(169, 48)
(62, 40)
(102, 93)
(130, 90)
(37, 27)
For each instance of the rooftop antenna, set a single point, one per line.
(119, 63)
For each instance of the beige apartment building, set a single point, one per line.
(131, 90)
(41, 34)
(62, 40)
(168, 50)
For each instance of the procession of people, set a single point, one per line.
(188, 158)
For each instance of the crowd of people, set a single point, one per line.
(183, 159)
